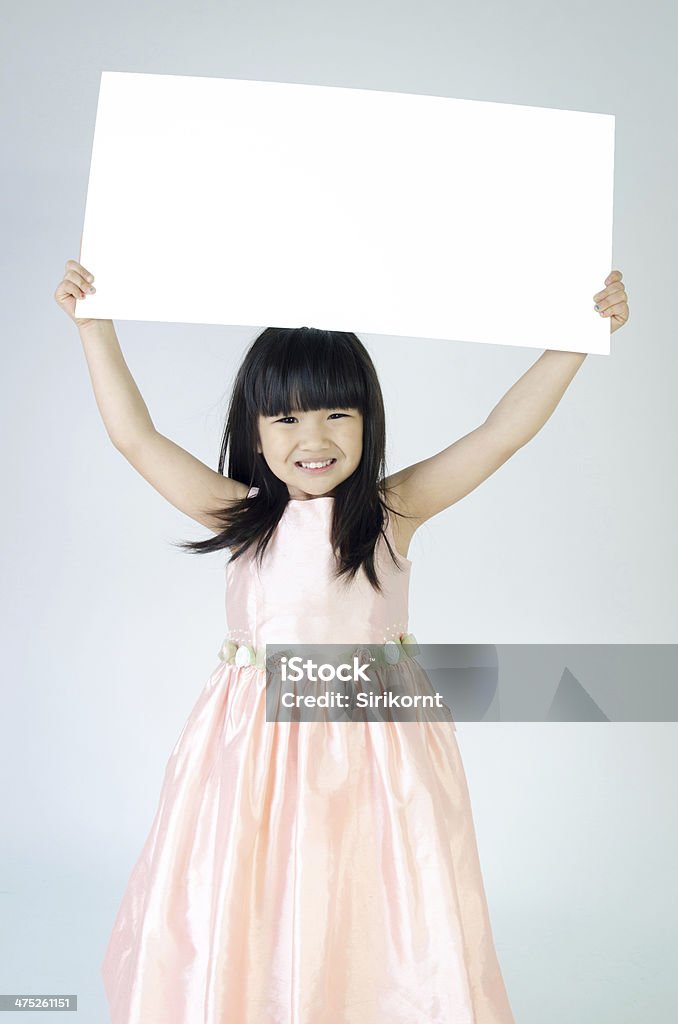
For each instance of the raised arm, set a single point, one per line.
(186, 482)
(426, 488)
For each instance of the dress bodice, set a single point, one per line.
(294, 598)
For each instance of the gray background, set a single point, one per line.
(109, 633)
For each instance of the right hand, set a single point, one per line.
(75, 285)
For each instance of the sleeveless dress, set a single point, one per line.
(306, 872)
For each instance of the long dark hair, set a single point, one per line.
(304, 368)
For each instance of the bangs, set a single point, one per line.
(308, 369)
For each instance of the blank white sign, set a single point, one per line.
(222, 201)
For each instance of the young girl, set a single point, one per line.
(309, 872)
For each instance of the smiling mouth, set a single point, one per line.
(316, 466)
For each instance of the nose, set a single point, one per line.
(310, 451)
(315, 439)
(311, 448)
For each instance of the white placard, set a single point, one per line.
(223, 201)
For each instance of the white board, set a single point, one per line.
(223, 201)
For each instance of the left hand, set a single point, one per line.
(613, 301)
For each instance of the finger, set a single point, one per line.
(614, 275)
(620, 309)
(82, 286)
(66, 290)
(611, 300)
(74, 265)
(616, 286)
(612, 290)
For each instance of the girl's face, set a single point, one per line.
(315, 437)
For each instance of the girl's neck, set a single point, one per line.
(316, 497)
(309, 497)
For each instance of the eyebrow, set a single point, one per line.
(330, 408)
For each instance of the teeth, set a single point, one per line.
(315, 465)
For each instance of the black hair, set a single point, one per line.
(306, 369)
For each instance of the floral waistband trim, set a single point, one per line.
(390, 652)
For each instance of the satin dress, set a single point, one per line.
(306, 872)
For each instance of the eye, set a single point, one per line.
(284, 418)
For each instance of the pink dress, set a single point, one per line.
(306, 872)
